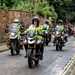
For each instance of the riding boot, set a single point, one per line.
(17, 47)
(26, 47)
(42, 51)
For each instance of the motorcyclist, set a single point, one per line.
(30, 31)
(46, 25)
(15, 27)
(46, 29)
(59, 29)
(37, 30)
(62, 30)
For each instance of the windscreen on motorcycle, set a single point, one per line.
(13, 28)
(58, 33)
(30, 34)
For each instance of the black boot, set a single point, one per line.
(26, 47)
(42, 51)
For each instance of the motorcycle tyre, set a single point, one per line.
(30, 63)
(60, 48)
(57, 47)
(17, 52)
(47, 43)
(36, 63)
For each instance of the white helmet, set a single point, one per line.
(35, 17)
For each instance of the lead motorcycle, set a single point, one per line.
(33, 47)
(13, 41)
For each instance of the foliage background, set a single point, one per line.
(61, 9)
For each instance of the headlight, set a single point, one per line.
(46, 32)
(57, 33)
(62, 37)
(12, 34)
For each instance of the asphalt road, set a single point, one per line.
(52, 64)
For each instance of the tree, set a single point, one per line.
(35, 6)
(63, 7)
(6, 4)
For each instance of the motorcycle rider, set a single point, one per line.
(30, 31)
(59, 29)
(15, 27)
(46, 25)
(46, 29)
(37, 30)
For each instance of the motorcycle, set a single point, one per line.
(66, 37)
(59, 41)
(47, 38)
(33, 47)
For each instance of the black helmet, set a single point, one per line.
(35, 18)
(47, 21)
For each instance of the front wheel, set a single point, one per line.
(60, 47)
(36, 63)
(47, 40)
(57, 47)
(17, 51)
(65, 38)
(30, 62)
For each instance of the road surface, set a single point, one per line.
(52, 64)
